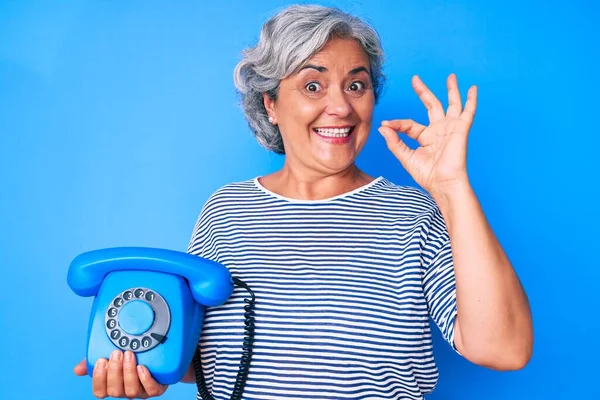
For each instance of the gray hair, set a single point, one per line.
(286, 42)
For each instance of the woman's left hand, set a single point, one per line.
(439, 162)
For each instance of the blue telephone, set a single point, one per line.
(152, 302)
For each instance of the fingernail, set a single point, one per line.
(128, 356)
(101, 363)
(115, 355)
(141, 370)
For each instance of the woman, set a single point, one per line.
(347, 268)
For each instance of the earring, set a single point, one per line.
(271, 119)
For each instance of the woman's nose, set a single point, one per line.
(338, 104)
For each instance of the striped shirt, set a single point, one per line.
(345, 289)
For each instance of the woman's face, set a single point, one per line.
(324, 111)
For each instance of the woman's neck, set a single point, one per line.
(300, 184)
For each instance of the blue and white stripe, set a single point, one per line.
(345, 288)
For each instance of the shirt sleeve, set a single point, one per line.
(439, 282)
(201, 243)
(195, 243)
(198, 242)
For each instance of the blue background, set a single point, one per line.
(119, 118)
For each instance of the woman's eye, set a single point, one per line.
(356, 86)
(313, 87)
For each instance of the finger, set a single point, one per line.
(99, 379)
(114, 381)
(408, 126)
(151, 387)
(454, 102)
(396, 145)
(81, 368)
(433, 105)
(468, 113)
(131, 380)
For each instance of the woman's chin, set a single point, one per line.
(337, 164)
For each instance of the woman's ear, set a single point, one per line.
(270, 107)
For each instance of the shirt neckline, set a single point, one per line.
(362, 188)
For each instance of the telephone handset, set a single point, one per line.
(152, 302)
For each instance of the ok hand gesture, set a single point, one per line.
(440, 161)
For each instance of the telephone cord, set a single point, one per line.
(242, 374)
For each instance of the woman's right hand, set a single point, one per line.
(121, 377)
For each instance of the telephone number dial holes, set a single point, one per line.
(144, 341)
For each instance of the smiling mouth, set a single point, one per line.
(334, 132)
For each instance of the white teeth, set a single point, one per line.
(333, 132)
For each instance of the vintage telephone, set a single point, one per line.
(152, 301)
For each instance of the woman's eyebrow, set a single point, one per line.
(317, 67)
(357, 70)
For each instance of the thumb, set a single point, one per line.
(396, 145)
(81, 368)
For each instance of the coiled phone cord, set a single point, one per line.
(242, 376)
